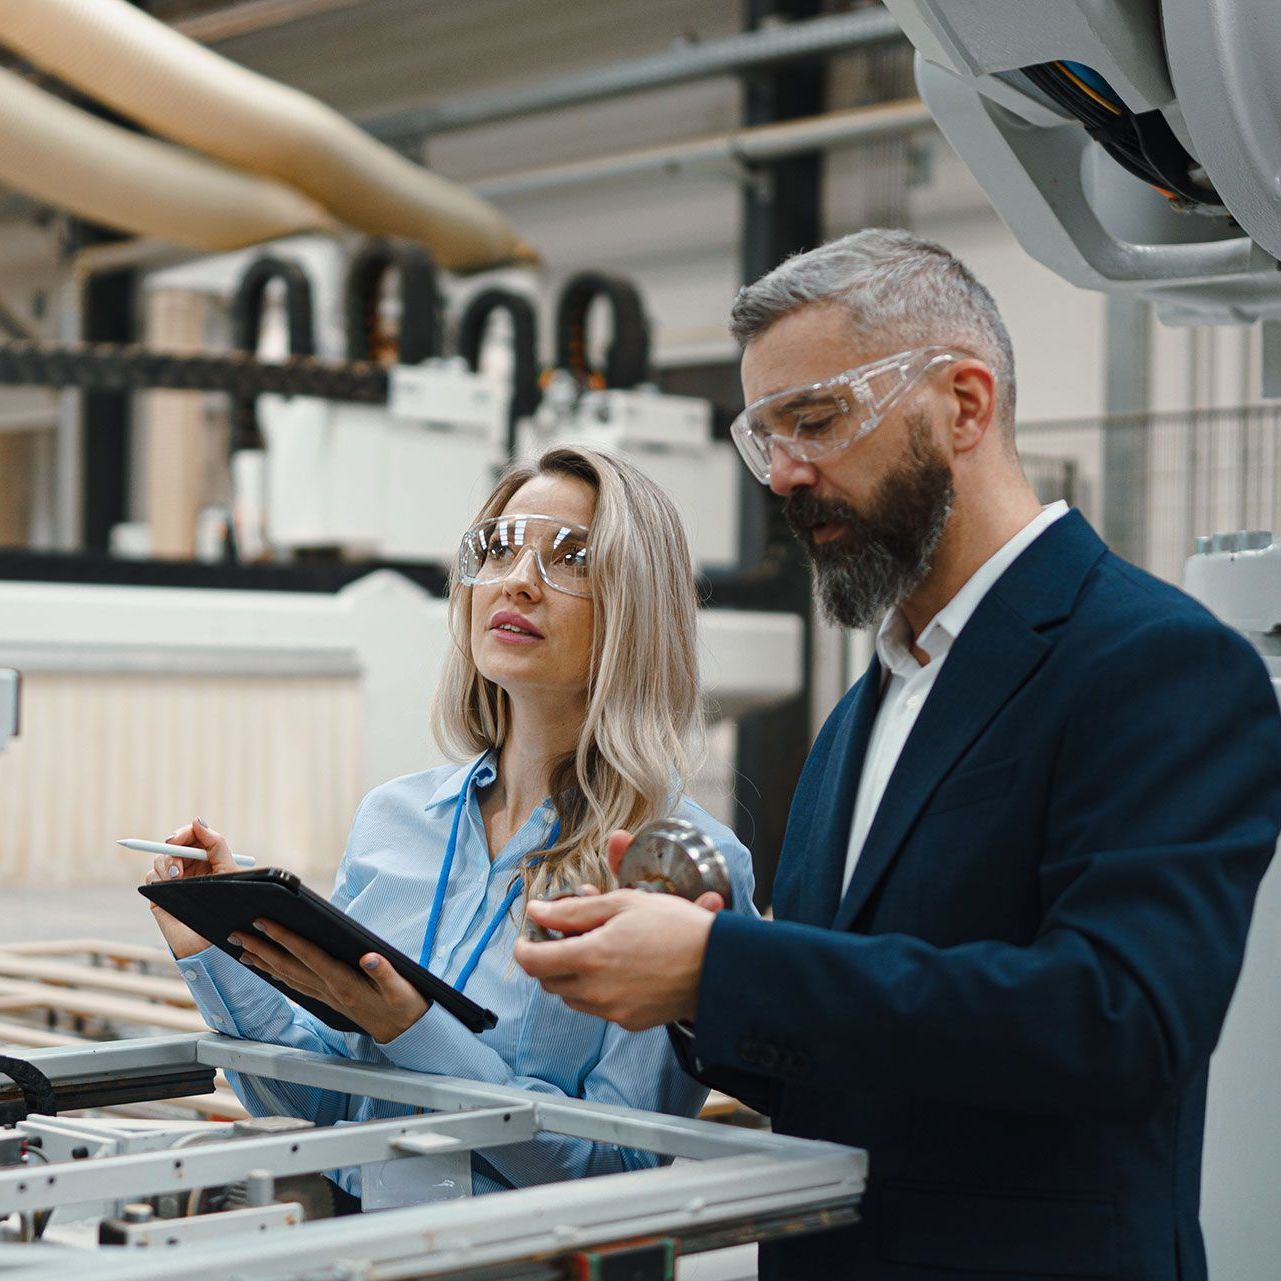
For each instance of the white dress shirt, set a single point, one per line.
(909, 683)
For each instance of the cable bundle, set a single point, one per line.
(1142, 143)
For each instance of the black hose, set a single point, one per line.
(246, 331)
(471, 334)
(37, 1090)
(421, 315)
(627, 360)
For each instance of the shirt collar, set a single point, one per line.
(451, 785)
(894, 639)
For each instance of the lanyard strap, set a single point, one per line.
(442, 887)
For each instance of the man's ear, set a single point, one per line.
(973, 389)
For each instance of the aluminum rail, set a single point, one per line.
(744, 1186)
(737, 150)
(694, 61)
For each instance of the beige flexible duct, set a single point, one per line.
(183, 91)
(60, 154)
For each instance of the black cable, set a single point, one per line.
(421, 333)
(246, 331)
(1143, 143)
(627, 360)
(471, 335)
(37, 1090)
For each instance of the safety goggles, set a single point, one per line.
(811, 421)
(491, 549)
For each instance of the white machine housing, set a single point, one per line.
(1238, 577)
(667, 437)
(397, 482)
(1207, 65)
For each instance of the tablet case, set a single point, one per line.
(216, 906)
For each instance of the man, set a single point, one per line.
(1021, 859)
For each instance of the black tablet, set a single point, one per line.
(216, 906)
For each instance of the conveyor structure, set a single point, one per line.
(100, 1199)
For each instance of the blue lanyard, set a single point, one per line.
(442, 887)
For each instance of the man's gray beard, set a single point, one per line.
(858, 592)
(885, 555)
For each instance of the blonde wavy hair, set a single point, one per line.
(643, 732)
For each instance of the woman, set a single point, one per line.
(572, 689)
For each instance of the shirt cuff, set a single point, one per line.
(208, 974)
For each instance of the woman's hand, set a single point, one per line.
(374, 996)
(182, 940)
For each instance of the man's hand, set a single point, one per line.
(636, 958)
(374, 997)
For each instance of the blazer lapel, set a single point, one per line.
(821, 860)
(996, 653)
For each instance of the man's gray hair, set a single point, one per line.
(901, 291)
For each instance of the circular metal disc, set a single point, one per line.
(672, 856)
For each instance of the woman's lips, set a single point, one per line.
(513, 638)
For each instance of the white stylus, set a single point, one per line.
(179, 851)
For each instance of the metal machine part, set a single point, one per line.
(672, 856)
(668, 856)
(733, 1185)
(1238, 576)
(1129, 146)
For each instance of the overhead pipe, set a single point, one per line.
(66, 157)
(178, 89)
(742, 147)
(696, 60)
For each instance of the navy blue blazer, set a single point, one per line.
(1013, 1004)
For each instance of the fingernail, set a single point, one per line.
(173, 836)
(173, 871)
(260, 926)
(370, 963)
(200, 822)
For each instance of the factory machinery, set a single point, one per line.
(329, 452)
(128, 1200)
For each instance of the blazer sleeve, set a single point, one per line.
(752, 1088)
(1165, 805)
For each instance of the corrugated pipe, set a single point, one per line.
(68, 158)
(180, 90)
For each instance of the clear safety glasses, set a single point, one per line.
(491, 549)
(810, 422)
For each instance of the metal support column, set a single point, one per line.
(782, 214)
(1126, 399)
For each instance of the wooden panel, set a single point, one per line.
(274, 762)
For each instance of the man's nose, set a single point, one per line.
(788, 474)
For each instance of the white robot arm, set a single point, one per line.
(1131, 146)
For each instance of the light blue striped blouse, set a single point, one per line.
(386, 880)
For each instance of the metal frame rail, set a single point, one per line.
(734, 1186)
